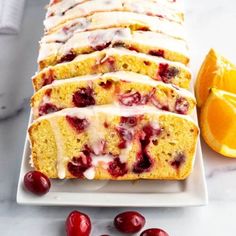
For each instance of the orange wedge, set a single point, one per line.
(217, 72)
(218, 122)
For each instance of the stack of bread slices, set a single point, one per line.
(111, 94)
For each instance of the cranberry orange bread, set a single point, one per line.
(148, 42)
(112, 74)
(60, 15)
(113, 142)
(116, 59)
(125, 88)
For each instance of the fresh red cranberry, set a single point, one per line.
(78, 124)
(154, 232)
(78, 224)
(129, 222)
(47, 108)
(70, 56)
(125, 136)
(158, 53)
(106, 85)
(116, 168)
(83, 97)
(130, 99)
(130, 121)
(178, 161)
(143, 164)
(37, 183)
(48, 77)
(166, 72)
(78, 165)
(181, 106)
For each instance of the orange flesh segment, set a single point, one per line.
(221, 121)
(217, 72)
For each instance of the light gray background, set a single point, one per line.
(210, 23)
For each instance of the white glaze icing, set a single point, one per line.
(104, 20)
(96, 134)
(90, 173)
(101, 159)
(65, 5)
(89, 7)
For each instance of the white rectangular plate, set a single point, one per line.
(139, 193)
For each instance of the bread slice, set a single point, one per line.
(125, 88)
(105, 20)
(113, 142)
(148, 42)
(116, 59)
(57, 7)
(59, 15)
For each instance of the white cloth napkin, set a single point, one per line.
(11, 12)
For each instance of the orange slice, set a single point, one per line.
(217, 72)
(218, 122)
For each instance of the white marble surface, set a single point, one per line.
(210, 23)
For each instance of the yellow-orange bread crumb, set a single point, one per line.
(148, 42)
(60, 15)
(116, 59)
(125, 88)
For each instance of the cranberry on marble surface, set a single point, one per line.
(78, 165)
(77, 123)
(36, 182)
(83, 97)
(154, 232)
(78, 224)
(129, 222)
(116, 168)
(47, 108)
